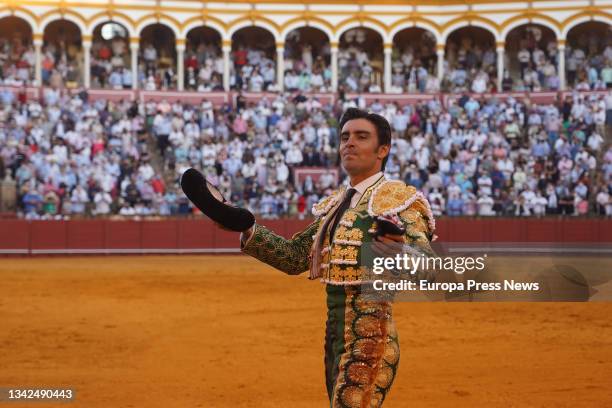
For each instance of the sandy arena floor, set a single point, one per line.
(227, 331)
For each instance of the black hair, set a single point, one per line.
(383, 129)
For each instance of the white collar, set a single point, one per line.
(362, 186)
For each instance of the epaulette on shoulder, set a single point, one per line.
(326, 203)
(394, 196)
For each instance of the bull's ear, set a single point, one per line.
(211, 202)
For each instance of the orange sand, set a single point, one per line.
(227, 331)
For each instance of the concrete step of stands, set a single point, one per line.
(156, 160)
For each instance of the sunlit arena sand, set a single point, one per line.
(228, 331)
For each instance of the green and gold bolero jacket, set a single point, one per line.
(341, 256)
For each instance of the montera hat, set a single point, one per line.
(211, 202)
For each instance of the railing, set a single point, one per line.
(219, 98)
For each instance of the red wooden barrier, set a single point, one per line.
(159, 235)
(14, 236)
(121, 235)
(201, 236)
(49, 236)
(85, 234)
(296, 226)
(193, 235)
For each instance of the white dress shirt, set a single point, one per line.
(362, 186)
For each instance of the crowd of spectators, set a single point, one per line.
(537, 59)
(589, 62)
(306, 65)
(490, 157)
(61, 64)
(110, 64)
(470, 64)
(157, 68)
(254, 68)
(17, 61)
(203, 67)
(72, 157)
(414, 66)
(359, 69)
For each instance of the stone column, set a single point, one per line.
(440, 54)
(227, 49)
(86, 63)
(280, 65)
(334, 66)
(38, 42)
(180, 64)
(501, 48)
(561, 67)
(388, 49)
(134, 45)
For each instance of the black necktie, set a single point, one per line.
(344, 205)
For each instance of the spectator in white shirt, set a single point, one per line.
(102, 201)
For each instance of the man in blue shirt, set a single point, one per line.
(454, 206)
(540, 149)
(31, 202)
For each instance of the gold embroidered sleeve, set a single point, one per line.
(287, 255)
(417, 230)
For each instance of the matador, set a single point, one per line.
(361, 343)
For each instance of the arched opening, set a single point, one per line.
(62, 59)
(307, 60)
(588, 51)
(531, 59)
(414, 61)
(470, 60)
(110, 57)
(360, 61)
(157, 63)
(254, 60)
(203, 60)
(17, 56)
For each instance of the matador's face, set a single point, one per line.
(359, 149)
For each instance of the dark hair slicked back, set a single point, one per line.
(383, 129)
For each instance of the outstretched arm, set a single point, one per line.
(287, 255)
